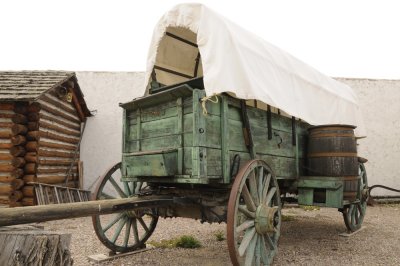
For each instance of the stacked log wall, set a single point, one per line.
(55, 138)
(6, 114)
(13, 129)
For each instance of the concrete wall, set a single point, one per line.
(102, 140)
(101, 144)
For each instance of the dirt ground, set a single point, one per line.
(310, 238)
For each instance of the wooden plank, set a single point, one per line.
(56, 145)
(99, 258)
(5, 145)
(36, 135)
(57, 112)
(55, 153)
(7, 106)
(225, 167)
(6, 167)
(34, 117)
(55, 102)
(158, 128)
(179, 132)
(6, 178)
(54, 162)
(55, 170)
(139, 130)
(5, 189)
(5, 156)
(44, 125)
(125, 131)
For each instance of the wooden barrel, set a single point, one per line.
(332, 151)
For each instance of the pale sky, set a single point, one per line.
(341, 38)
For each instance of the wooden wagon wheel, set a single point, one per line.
(124, 231)
(353, 214)
(254, 215)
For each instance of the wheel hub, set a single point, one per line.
(266, 219)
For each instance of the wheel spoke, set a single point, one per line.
(263, 251)
(266, 187)
(247, 224)
(135, 230)
(361, 209)
(260, 182)
(351, 211)
(270, 194)
(114, 221)
(118, 230)
(357, 214)
(104, 195)
(250, 251)
(138, 187)
(248, 236)
(127, 232)
(258, 250)
(253, 187)
(269, 241)
(127, 190)
(117, 188)
(143, 224)
(246, 212)
(248, 199)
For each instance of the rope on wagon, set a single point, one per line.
(204, 101)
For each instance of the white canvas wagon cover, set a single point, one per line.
(191, 41)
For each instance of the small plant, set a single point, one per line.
(164, 243)
(219, 235)
(187, 242)
(180, 242)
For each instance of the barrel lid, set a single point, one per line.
(332, 125)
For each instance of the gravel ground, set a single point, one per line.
(311, 238)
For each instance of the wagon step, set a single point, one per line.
(53, 194)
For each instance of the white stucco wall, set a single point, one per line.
(101, 144)
(380, 103)
(102, 140)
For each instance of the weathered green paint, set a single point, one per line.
(224, 137)
(329, 188)
(138, 130)
(179, 132)
(205, 144)
(163, 163)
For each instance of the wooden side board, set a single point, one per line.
(208, 135)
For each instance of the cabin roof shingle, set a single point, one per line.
(30, 85)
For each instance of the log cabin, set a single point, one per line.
(42, 114)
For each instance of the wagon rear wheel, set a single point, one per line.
(353, 214)
(254, 215)
(124, 231)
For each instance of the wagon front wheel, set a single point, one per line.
(124, 231)
(353, 214)
(254, 215)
